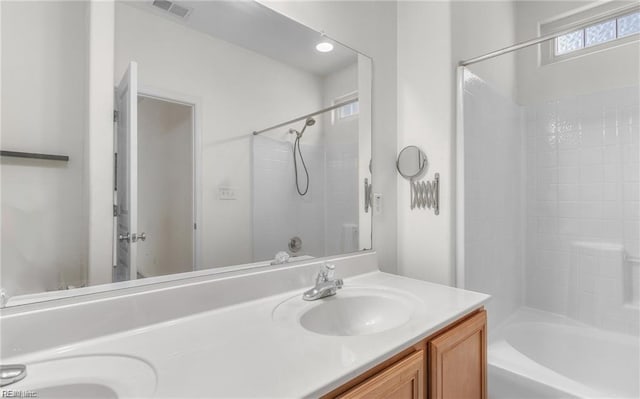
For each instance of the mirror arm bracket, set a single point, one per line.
(426, 194)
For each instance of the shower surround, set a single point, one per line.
(551, 231)
(279, 213)
(573, 228)
(326, 218)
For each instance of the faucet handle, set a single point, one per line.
(329, 270)
(325, 274)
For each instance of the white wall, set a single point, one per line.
(432, 38)
(473, 36)
(165, 187)
(240, 92)
(425, 119)
(44, 89)
(369, 27)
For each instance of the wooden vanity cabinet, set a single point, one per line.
(451, 364)
(458, 360)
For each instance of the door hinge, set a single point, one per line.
(115, 210)
(115, 115)
(368, 193)
(195, 226)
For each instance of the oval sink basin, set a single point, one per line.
(96, 376)
(352, 311)
(359, 315)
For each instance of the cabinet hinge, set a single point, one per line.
(115, 115)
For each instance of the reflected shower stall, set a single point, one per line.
(549, 212)
(305, 175)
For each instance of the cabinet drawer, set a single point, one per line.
(402, 380)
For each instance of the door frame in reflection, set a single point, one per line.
(195, 104)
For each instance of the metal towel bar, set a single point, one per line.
(33, 155)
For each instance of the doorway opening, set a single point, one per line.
(166, 187)
(156, 186)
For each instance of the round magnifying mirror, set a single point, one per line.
(412, 162)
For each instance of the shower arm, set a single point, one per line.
(304, 117)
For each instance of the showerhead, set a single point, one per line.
(309, 122)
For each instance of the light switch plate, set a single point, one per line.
(377, 203)
(226, 193)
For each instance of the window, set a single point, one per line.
(599, 33)
(347, 110)
(621, 27)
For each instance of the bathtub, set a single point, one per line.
(542, 355)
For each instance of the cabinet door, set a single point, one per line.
(458, 361)
(402, 380)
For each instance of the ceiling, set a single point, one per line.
(255, 27)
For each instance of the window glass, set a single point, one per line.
(629, 24)
(596, 34)
(570, 42)
(600, 33)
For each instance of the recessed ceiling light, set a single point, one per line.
(324, 47)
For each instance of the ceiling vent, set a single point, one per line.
(172, 8)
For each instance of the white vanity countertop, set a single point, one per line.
(240, 351)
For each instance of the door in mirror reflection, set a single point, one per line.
(155, 175)
(126, 182)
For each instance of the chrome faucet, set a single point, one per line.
(325, 286)
(12, 373)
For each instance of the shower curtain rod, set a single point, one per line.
(541, 39)
(304, 117)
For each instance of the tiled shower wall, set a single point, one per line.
(279, 213)
(326, 219)
(552, 204)
(582, 195)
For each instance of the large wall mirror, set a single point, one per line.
(237, 133)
